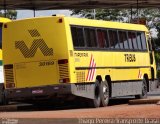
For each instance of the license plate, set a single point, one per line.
(37, 91)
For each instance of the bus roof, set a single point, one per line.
(2, 20)
(96, 23)
(106, 24)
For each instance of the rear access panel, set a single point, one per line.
(37, 73)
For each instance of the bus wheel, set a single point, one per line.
(3, 100)
(95, 103)
(144, 90)
(104, 93)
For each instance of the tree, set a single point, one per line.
(123, 15)
(157, 44)
(151, 16)
(101, 14)
(11, 14)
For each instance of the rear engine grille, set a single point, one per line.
(9, 76)
(63, 71)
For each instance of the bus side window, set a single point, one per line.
(107, 44)
(101, 38)
(80, 37)
(90, 36)
(125, 40)
(149, 44)
(143, 39)
(130, 40)
(77, 36)
(111, 39)
(113, 36)
(134, 40)
(139, 41)
(121, 39)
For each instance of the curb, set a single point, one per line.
(158, 103)
(144, 101)
(8, 108)
(17, 107)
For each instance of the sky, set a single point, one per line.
(29, 13)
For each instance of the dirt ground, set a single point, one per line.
(116, 111)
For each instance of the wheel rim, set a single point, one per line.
(105, 93)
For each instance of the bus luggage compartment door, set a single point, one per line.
(37, 73)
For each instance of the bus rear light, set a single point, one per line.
(5, 26)
(60, 20)
(65, 80)
(10, 85)
(63, 61)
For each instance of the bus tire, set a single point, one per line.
(3, 100)
(95, 102)
(144, 90)
(104, 93)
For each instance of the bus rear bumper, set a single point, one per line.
(42, 92)
(63, 91)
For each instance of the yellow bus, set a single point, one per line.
(2, 101)
(62, 58)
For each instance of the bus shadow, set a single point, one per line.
(120, 100)
(74, 104)
(62, 106)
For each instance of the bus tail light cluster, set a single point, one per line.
(63, 61)
(9, 76)
(63, 71)
(10, 85)
(60, 20)
(65, 80)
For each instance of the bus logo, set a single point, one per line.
(140, 75)
(37, 43)
(92, 69)
(30, 52)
